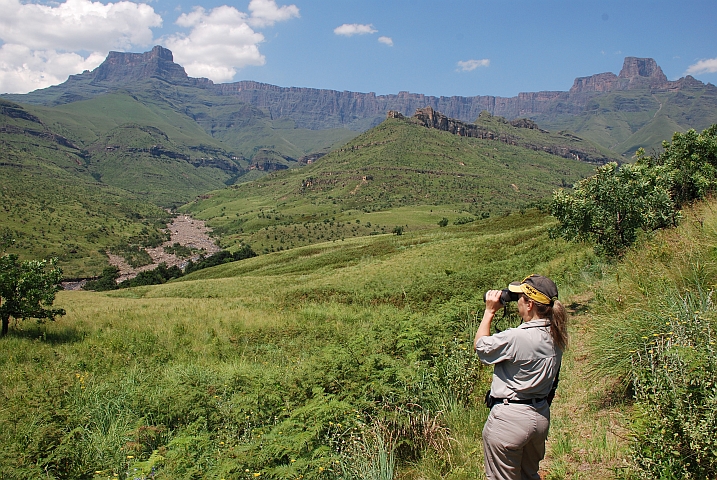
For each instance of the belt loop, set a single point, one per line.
(505, 401)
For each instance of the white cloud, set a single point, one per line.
(470, 65)
(41, 44)
(386, 40)
(350, 29)
(223, 40)
(220, 41)
(23, 70)
(703, 66)
(77, 25)
(266, 12)
(41, 41)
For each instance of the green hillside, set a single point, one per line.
(252, 133)
(319, 360)
(161, 157)
(396, 174)
(627, 120)
(527, 134)
(191, 115)
(53, 206)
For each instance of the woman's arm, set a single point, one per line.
(492, 305)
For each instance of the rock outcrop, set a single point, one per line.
(636, 73)
(122, 68)
(429, 118)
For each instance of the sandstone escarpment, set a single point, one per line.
(429, 118)
(123, 68)
(636, 73)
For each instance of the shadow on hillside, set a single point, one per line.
(40, 334)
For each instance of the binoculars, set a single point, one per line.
(506, 296)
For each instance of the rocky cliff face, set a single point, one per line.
(318, 109)
(123, 68)
(636, 73)
(315, 109)
(429, 118)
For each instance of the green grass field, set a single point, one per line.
(294, 363)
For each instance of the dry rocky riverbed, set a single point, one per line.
(184, 230)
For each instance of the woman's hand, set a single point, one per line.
(492, 301)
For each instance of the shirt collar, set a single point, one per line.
(538, 322)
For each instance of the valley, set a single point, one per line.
(343, 348)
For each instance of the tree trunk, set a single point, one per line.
(5, 324)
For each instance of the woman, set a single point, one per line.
(526, 362)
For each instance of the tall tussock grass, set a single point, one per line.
(655, 324)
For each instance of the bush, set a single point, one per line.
(676, 395)
(219, 258)
(611, 207)
(106, 281)
(159, 275)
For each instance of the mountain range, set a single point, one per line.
(91, 163)
(639, 107)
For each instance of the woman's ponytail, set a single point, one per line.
(558, 322)
(559, 325)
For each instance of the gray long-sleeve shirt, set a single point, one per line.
(525, 360)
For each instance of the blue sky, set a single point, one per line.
(462, 47)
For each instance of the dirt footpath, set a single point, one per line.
(184, 230)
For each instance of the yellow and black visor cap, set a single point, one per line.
(538, 288)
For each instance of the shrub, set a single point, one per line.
(676, 395)
(106, 281)
(610, 207)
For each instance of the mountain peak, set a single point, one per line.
(123, 67)
(634, 67)
(636, 73)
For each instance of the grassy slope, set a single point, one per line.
(533, 137)
(122, 120)
(88, 120)
(652, 301)
(248, 340)
(246, 129)
(54, 207)
(361, 321)
(395, 174)
(217, 120)
(195, 122)
(625, 121)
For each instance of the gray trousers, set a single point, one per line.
(514, 440)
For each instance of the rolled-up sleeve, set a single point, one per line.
(495, 348)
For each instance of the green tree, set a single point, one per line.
(688, 164)
(27, 289)
(106, 281)
(610, 207)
